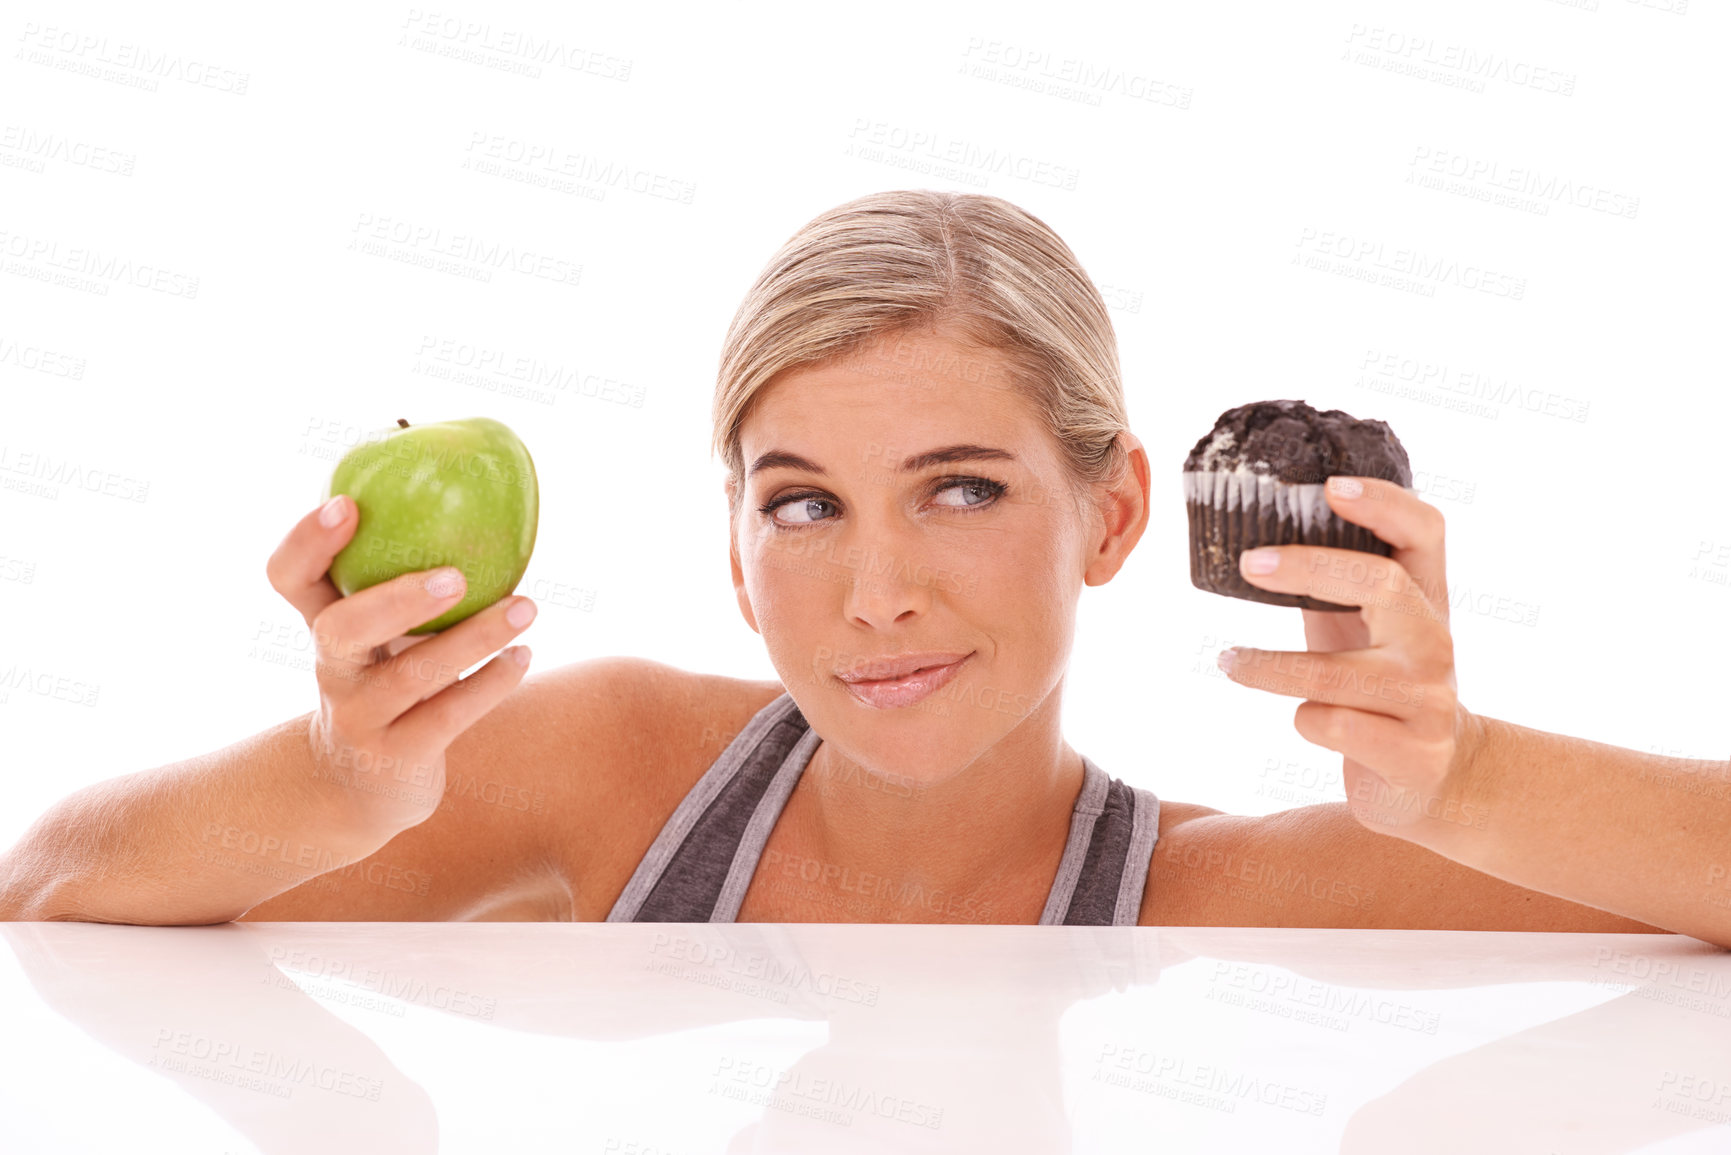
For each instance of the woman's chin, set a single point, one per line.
(907, 762)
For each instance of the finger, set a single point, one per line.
(436, 722)
(1361, 679)
(1392, 603)
(349, 629)
(1394, 764)
(1376, 741)
(397, 645)
(298, 567)
(1326, 631)
(1397, 515)
(404, 679)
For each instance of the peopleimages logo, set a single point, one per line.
(93, 55)
(40, 255)
(1456, 64)
(1343, 1001)
(469, 255)
(1067, 77)
(29, 680)
(510, 49)
(882, 141)
(769, 968)
(36, 359)
(258, 1061)
(1471, 384)
(391, 984)
(50, 472)
(1119, 1066)
(488, 362)
(1430, 165)
(829, 1100)
(1368, 256)
(552, 160)
(34, 149)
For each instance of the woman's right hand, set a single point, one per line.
(390, 703)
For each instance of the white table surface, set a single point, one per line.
(674, 1039)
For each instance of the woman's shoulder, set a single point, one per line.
(652, 729)
(668, 715)
(648, 731)
(1160, 897)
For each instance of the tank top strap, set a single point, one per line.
(691, 872)
(763, 819)
(703, 859)
(1104, 869)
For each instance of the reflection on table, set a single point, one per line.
(669, 1039)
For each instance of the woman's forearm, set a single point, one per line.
(198, 841)
(1635, 834)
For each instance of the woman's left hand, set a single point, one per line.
(1385, 694)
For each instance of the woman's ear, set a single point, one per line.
(1123, 505)
(733, 557)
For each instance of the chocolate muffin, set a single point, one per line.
(1257, 479)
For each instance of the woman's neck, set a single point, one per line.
(992, 831)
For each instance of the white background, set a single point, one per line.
(1206, 143)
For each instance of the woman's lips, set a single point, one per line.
(892, 693)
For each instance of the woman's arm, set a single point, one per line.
(531, 786)
(1637, 834)
(193, 842)
(1318, 866)
(205, 839)
(1643, 837)
(537, 790)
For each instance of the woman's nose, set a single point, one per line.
(886, 590)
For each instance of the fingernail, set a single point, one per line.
(520, 655)
(1346, 486)
(1260, 560)
(1225, 659)
(331, 512)
(445, 582)
(521, 614)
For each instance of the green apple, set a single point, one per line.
(459, 493)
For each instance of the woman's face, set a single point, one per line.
(871, 553)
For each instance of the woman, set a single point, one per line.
(928, 456)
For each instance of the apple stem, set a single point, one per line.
(403, 423)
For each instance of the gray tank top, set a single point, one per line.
(701, 862)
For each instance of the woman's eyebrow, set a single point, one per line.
(782, 459)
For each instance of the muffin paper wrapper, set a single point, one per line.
(1231, 512)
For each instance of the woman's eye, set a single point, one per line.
(798, 505)
(983, 491)
(976, 492)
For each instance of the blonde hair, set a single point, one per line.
(891, 262)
